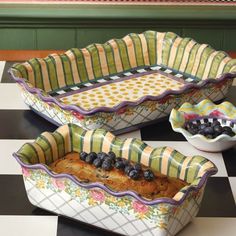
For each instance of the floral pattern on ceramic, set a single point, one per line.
(202, 72)
(224, 113)
(122, 212)
(165, 217)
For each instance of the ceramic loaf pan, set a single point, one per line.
(93, 203)
(124, 83)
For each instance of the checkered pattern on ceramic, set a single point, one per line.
(187, 78)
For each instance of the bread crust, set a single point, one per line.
(117, 180)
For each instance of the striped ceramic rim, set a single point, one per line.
(48, 99)
(208, 173)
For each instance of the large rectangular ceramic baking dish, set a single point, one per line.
(93, 203)
(124, 83)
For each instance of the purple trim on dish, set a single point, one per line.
(37, 91)
(203, 180)
(182, 81)
(45, 117)
(120, 80)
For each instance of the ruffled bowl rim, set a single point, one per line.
(189, 136)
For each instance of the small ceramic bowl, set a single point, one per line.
(225, 113)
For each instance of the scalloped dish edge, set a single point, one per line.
(195, 108)
(48, 98)
(82, 111)
(191, 188)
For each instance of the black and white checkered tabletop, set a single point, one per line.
(18, 124)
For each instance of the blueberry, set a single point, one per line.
(112, 156)
(101, 155)
(198, 122)
(209, 130)
(125, 161)
(227, 128)
(138, 167)
(148, 175)
(208, 124)
(202, 126)
(106, 165)
(191, 125)
(83, 155)
(193, 131)
(119, 165)
(230, 133)
(216, 123)
(91, 157)
(110, 159)
(134, 174)
(97, 162)
(119, 159)
(128, 169)
(218, 129)
(94, 154)
(201, 131)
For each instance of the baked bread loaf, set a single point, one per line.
(116, 179)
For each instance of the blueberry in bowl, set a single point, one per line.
(207, 126)
(209, 129)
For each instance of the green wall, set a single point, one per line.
(66, 26)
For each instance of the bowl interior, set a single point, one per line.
(202, 112)
(223, 122)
